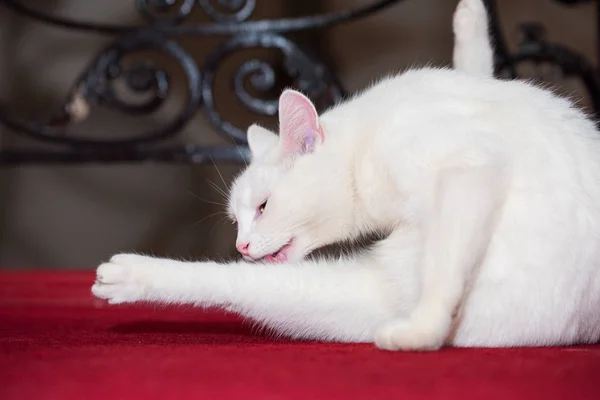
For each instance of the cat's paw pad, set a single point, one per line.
(407, 336)
(122, 280)
(470, 20)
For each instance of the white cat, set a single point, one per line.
(490, 189)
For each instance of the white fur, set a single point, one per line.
(473, 52)
(491, 191)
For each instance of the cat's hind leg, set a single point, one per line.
(459, 224)
(473, 52)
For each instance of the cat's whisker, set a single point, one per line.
(206, 201)
(217, 188)
(220, 175)
(239, 149)
(207, 217)
(220, 221)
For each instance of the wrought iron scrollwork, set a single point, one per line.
(240, 9)
(310, 75)
(254, 81)
(161, 11)
(166, 21)
(96, 87)
(534, 48)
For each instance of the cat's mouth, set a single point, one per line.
(280, 255)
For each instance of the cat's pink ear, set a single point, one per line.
(299, 128)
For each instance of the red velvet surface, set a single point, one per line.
(57, 342)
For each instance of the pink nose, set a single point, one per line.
(243, 249)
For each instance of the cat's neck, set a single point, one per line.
(343, 159)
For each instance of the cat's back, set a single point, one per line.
(404, 127)
(429, 94)
(443, 110)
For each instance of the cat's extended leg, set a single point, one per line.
(472, 49)
(459, 225)
(311, 300)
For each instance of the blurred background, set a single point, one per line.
(75, 216)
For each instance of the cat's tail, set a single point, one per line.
(473, 52)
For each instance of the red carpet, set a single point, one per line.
(56, 342)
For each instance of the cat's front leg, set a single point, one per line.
(459, 225)
(337, 300)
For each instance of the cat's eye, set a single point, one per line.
(261, 208)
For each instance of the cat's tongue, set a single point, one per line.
(280, 255)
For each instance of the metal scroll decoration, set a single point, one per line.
(534, 48)
(252, 82)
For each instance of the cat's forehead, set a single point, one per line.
(259, 176)
(254, 183)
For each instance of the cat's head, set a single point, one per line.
(286, 203)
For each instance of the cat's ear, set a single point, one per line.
(299, 128)
(260, 140)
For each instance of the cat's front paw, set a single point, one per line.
(409, 335)
(124, 279)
